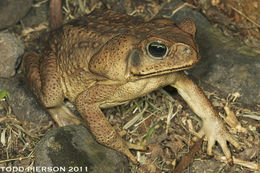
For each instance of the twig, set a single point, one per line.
(19, 158)
(39, 3)
(179, 8)
(251, 165)
(187, 159)
(242, 14)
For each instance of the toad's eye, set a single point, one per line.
(157, 50)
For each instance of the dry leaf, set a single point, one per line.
(232, 121)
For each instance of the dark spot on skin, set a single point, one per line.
(83, 44)
(135, 58)
(100, 25)
(75, 45)
(95, 44)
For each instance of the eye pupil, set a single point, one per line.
(157, 50)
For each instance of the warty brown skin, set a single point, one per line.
(102, 60)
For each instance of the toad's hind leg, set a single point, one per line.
(44, 81)
(43, 78)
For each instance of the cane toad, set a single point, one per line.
(108, 58)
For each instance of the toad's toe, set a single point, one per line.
(136, 147)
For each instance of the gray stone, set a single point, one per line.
(10, 49)
(23, 102)
(37, 16)
(11, 11)
(73, 147)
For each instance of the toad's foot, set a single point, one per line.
(125, 149)
(213, 127)
(215, 131)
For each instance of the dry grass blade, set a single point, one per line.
(143, 120)
(38, 4)
(232, 121)
(179, 8)
(171, 115)
(3, 134)
(19, 158)
(136, 118)
(252, 115)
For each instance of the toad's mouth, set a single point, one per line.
(162, 72)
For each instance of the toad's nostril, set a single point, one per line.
(187, 50)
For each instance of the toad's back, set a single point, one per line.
(85, 36)
(89, 33)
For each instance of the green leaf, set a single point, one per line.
(4, 94)
(151, 130)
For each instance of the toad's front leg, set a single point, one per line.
(213, 127)
(87, 104)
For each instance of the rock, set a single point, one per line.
(24, 105)
(36, 16)
(73, 147)
(199, 166)
(226, 64)
(11, 11)
(10, 49)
